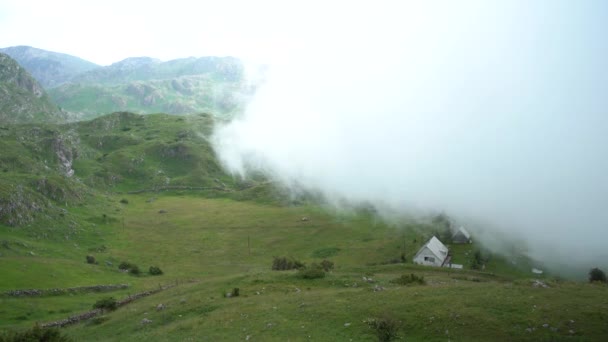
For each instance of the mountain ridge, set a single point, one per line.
(48, 67)
(142, 85)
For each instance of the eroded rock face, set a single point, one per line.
(62, 145)
(66, 156)
(19, 207)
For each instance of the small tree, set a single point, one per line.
(90, 259)
(386, 327)
(155, 270)
(595, 274)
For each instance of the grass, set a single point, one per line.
(211, 242)
(210, 246)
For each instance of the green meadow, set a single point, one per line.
(209, 246)
(149, 191)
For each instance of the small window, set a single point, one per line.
(431, 259)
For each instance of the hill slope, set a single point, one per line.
(79, 199)
(22, 98)
(49, 68)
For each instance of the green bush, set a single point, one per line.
(124, 201)
(36, 333)
(595, 274)
(127, 266)
(409, 279)
(314, 272)
(108, 303)
(155, 270)
(91, 259)
(284, 263)
(385, 327)
(327, 265)
(134, 270)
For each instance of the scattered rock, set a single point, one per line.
(182, 301)
(228, 294)
(538, 283)
(304, 218)
(247, 338)
(571, 332)
(160, 307)
(347, 324)
(529, 330)
(145, 321)
(269, 325)
(546, 325)
(378, 288)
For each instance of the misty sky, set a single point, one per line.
(494, 111)
(108, 31)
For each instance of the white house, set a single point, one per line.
(433, 253)
(461, 236)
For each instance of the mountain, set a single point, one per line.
(224, 69)
(145, 85)
(49, 68)
(141, 85)
(22, 98)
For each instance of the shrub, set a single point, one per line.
(595, 274)
(235, 292)
(327, 265)
(409, 279)
(154, 270)
(36, 333)
(385, 327)
(127, 266)
(108, 303)
(284, 263)
(135, 270)
(314, 272)
(124, 201)
(91, 259)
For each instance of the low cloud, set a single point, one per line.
(496, 116)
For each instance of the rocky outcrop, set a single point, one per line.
(19, 206)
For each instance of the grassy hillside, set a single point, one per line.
(180, 95)
(148, 190)
(210, 246)
(22, 99)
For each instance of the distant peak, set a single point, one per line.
(136, 61)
